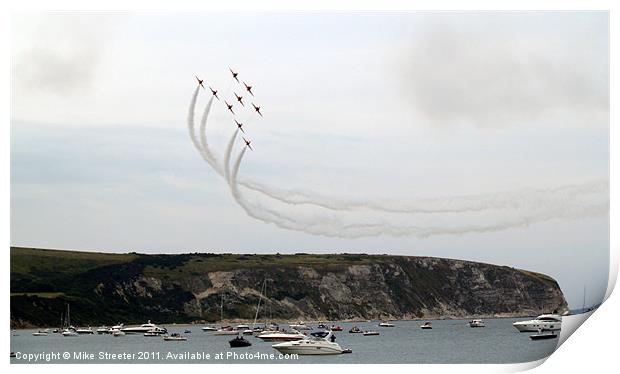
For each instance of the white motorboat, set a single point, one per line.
(151, 334)
(300, 326)
(546, 322)
(226, 330)
(386, 324)
(426, 326)
(81, 331)
(118, 333)
(103, 330)
(242, 327)
(311, 345)
(476, 323)
(175, 338)
(40, 333)
(271, 336)
(209, 328)
(370, 333)
(146, 327)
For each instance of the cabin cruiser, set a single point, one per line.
(209, 328)
(476, 323)
(40, 333)
(321, 343)
(386, 324)
(300, 326)
(426, 326)
(175, 337)
(547, 322)
(370, 333)
(88, 330)
(270, 336)
(146, 327)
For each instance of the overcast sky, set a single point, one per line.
(370, 107)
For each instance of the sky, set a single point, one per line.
(495, 124)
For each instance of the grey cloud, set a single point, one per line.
(486, 73)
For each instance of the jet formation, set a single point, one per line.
(239, 99)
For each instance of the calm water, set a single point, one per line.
(450, 341)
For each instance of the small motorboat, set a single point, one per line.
(270, 336)
(347, 350)
(103, 330)
(40, 333)
(426, 326)
(118, 333)
(187, 332)
(370, 333)
(84, 331)
(242, 327)
(150, 334)
(175, 337)
(322, 326)
(300, 326)
(239, 342)
(542, 335)
(209, 328)
(336, 328)
(476, 323)
(248, 332)
(355, 330)
(226, 330)
(386, 324)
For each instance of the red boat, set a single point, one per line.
(336, 328)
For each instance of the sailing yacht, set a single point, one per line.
(67, 329)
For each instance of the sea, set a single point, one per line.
(450, 341)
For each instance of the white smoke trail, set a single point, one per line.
(332, 226)
(533, 206)
(231, 142)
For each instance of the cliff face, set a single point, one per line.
(186, 288)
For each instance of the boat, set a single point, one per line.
(248, 332)
(67, 329)
(386, 324)
(426, 326)
(145, 327)
(209, 328)
(103, 330)
(315, 344)
(355, 330)
(336, 328)
(40, 333)
(151, 334)
(187, 332)
(548, 322)
(541, 335)
(370, 333)
(226, 330)
(175, 337)
(322, 326)
(476, 323)
(300, 326)
(83, 331)
(118, 333)
(281, 336)
(242, 327)
(239, 342)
